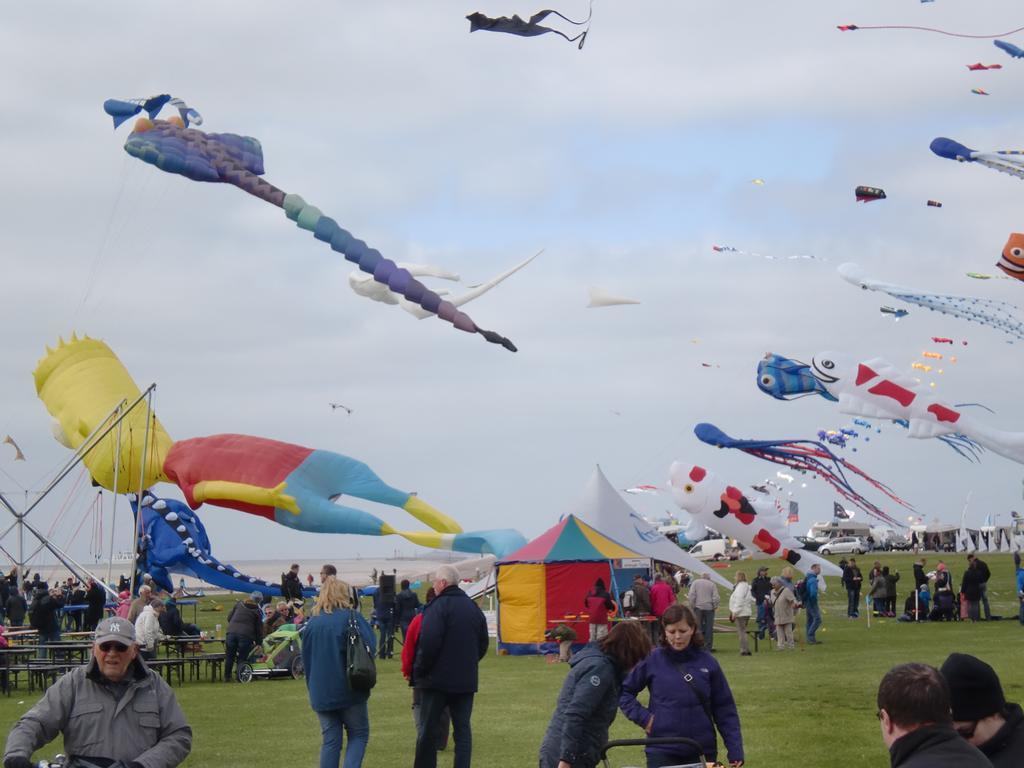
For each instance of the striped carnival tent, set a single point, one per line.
(544, 583)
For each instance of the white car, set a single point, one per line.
(853, 545)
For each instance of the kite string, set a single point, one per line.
(944, 32)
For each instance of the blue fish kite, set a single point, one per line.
(1010, 48)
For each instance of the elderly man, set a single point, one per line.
(704, 600)
(452, 640)
(917, 727)
(139, 603)
(981, 713)
(112, 712)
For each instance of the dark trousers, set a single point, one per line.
(852, 602)
(235, 647)
(432, 705)
(386, 646)
(984, 601)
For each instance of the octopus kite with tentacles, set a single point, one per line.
(82, 382)
(808, 456)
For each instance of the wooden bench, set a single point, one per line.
(168, 667)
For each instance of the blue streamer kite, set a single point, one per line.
(807, 456)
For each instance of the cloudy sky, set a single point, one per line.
(625, 162)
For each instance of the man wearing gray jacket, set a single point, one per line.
(113, 711)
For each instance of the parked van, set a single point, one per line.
(710, 549)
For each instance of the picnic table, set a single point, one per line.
(197, 654)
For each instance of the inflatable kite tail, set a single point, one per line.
(498, 542)
(384, 270)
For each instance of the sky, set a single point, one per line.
(624, 161)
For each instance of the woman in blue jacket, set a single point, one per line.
(689, 695)
(323, 656)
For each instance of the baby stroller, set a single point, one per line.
(278, 655)
(678, 740)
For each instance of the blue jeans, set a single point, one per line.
(852, 602)
(432, 704)
(813, 620)
(355, 721)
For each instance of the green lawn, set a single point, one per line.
(809, 707)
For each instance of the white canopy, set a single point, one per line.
(602, 507)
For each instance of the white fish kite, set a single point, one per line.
(366, 285)
(997, 314)
(875, 390)
(1009, 161)
(601, 298)
(756, 524)
(768, 257)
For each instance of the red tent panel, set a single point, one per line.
(567, 585)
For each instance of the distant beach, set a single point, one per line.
(356, 571)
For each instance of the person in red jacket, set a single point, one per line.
(662, 596)
(412, 636)
(598, 603)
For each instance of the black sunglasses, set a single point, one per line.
(110, 645)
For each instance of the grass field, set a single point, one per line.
(814, 706)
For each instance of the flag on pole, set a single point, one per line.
(839, 513)
(794, 513)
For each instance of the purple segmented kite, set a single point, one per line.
(238, 160)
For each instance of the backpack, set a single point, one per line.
(360, 669)
(800, 592)
(629, 599)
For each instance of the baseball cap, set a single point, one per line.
(117, 629)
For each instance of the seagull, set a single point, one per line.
(336, 406)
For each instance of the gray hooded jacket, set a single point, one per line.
(585, 711)
(145, 726)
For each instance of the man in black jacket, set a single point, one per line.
(291, 587)
(914, 715)
(760, 588)
(981, 714)
(407, 605)
(985, 574)
(852, 580)
(96, 599)
(453, 639)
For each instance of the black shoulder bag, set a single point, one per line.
(360, 669)
(704, 703)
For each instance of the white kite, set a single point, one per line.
(756, 524)
(366, 285)
(601, 298)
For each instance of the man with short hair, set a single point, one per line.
(407, 605)
(642, 595)
(112, 711)
(291, 587)
(984, 575)
(760, 588)
(452, 640)
(981, 714)
(811, 605)
(914, 716)
(852, 580)
(662, 595)
(327, 570)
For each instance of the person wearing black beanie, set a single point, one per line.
(981, 714)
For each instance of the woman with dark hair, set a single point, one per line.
(598, 604)
(589, 698)
(689, 695)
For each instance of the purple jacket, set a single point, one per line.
(676, 707)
